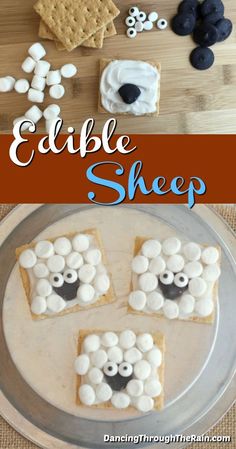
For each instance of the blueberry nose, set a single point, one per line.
(129, 93)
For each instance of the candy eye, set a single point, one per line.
(70, 276)
(56, 280)
(125, 369)
(167, 277)
(181, 280)
(110, 369)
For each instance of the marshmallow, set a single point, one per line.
(147, 282)
(55, 303)
(193, 269)
(38, 83)
(70, 276)
(52, 112)
(130, 21)
(109, 339)
(120, 400)
(38, 305)
(139, 27)
(167, 277)
(155, 301)
(68, 70)
(134, 11)
(22, 86)
(24, 126)
(171, 246)
(41, 270)
(197, 287)
(132, 355)
(154, 357)
(82, 363)
(157, 265)
(27, 259)
(144, 342)
(147, 25)
(151, 248)
(103, 392)
(204, 307)
(210, 255)
(42, 68)
(127, 339)
(110, 369)
(153, 16)
(102, 283)
(125, 369)
(139, 264)
(91, 343)
(145, 404)
(28, 65)
(6, 84)
(115, 354)
(35, 96)
(34, 114)
(175, 263)
(12, 81)
(211, 273)
(192, 251)
(162, 24)
(141, 17)
(181, 280)
(87, 394)
(95, 375)
(80, 242)
(186, 304)
(137, 300)
(56, 264)
(142, 369)
(152, 388)
(62, 246)
(74, 260)
(93, 256)
(44, 249)
(170, 309)
(43, 288)
(56, 279)
(135, 387)
(37, 51)
(131, 33)
(85, 293)
(99, 358)
(57, 91)
(53, 77)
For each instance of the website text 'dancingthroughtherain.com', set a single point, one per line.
(167, 439)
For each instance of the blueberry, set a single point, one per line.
(129, 93)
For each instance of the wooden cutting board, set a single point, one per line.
(191, 101)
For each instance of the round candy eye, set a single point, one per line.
(181, 280)
(70, 276)
(141, 17)
(167, 277)
(134, 11)
(130, 21)
(110, 369)
(162, 24)
(131, 33)
(56, 280)
(125, 369)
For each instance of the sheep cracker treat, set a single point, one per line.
(120, 370)
(129, 87)
(65, 274)
(175, 279)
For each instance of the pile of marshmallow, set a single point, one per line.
(138, 21)
(121, 368)
(43, 77)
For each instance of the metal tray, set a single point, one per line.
(192, 406)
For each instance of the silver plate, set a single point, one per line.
(191, 412)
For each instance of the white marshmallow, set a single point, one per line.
(38, 305)
(91, 343)
(62, 246)
(38, 83)
(147, 25)
(35, 96)
(24, 126)
(135, 387)
(44, 249)
(99, 358)
(151, 248)
(28, 65)
(68, 70)
(137, 300)
(142, 369)
(193, 269)
(70, 276)
(87, 394)
(43, 288)
(41, 270)
(171, 246)
(57, 91)
(210, 255)
(155, 301)
(53, 77)
(211, 273)
(52, 112)
(109, 339)
(157, 265)
(162, 24)
(80, 242)
(154, 357)
(130, 21)
(93, 256)
(204, 307)
(34, 114)
(134, 11)
(192, 251)
(144, 342)
(131, 33)
(42, 68)
(132, 355)
(120, 400)
(82, 363)
(175, 263)
(12, 81)
(141, 17)
(56, 279)
(56, 264)
(152, 388)
(125, 369)
(115, 354)
(37, 51)
(55, 303)
(87, 273)
(74, 260)
(197, 287)
(103, 392)
(147, 282)
(102, 283)
(127, 339)
(95, 375)
(170, 309)
(145, 404)
(27, 259)
(22, 86)
(139, 264)
(153, 16)
(138, 27)
(5, 84)
(85, 293)
(186, 304)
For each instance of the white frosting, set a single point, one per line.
(115, 354)
(147, 282)
(155, 301)
(82, 363)
(140, 264)
(120, 400)
(157, 265)
(41, 270)
(99, 358)
(109, 339)
(140, 73)
(55, 303)
(91, 343)
(171, 246)
(137, 300)
(145, 404)
(154, 357)
(152, 388)
(39, 305)
(144, 342)
(170, 309)
(87, 273)
(43, 288)
(127, 339)
(87, 394)
(142, 369)
(210, 255)
(135, 387)
(132, 355)
(27, 259)
(56, 263)
(95, 375)
(80, 242)
(103, 392)
(74, 260)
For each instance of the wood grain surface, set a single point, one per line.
(191, 101)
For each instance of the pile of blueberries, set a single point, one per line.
(207, 23)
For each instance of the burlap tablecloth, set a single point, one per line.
(10, 439)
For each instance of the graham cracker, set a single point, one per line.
(104, 63)
(96, 40)
(74, 21)
(203, 320)
(45, 32)
(159, 341)
(107, 298)
(110, 30)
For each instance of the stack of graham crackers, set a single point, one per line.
(74, 23)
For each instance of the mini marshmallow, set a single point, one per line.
(147, 25)
(171, 246)
(35, 96)
(85, 293)
(115, 354)
(175, 263)
(170, 309)
(137, 300)
(157, 265)
(56, 263)
(186, 304)
(211, 273)
(145, 404)
(193, 269)
(87, 273)
(192, 251)
(162, 24)
(74, 260)
(147, 282)
(80, 242)
(152, 388)
(56, 279)
(91, 343)
(197, 287)
(34, 114)
(210, 255)
(103, 392)
(82, 363)
(68, 70)
(41, 270)
(144, 342)
(109, 339)
(55, 303)
(135, 387)
(131, 33)
(139, 264)
(38, 83)
(204, 307)
(87, 394)
(53, 77)
(57, 91)
(154, 357)
(24, 126)
(93, 256)
(27, 259)
(134, 11)
(37, 51)
(102, 283)
(132, 355)
(38, 305)
(151, 248)
(42, 68)
(43, 288)
(125, 369)
(22, 86)
(70, 276)
(142, 369)
(12, 81)
(95, 375)
(44, 249)
(62, 246)
(130, 21)
(99, 358)
(28, 65)
(5, 84)
(153, 16)
(120, 400)
(155, 301)
(127, 339)
(141, 17)
(52, 112)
